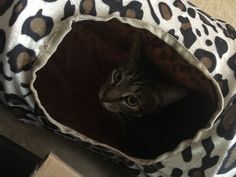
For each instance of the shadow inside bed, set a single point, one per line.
(68, 89)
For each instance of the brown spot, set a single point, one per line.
(180, 5)
(230, 35)
(38, 25)
(88, 5)
(207, 62)
(18, 8)
(165, 11)
(23, 59)
(2, 2)
(130, 13)
(229, 117)
(186, 26)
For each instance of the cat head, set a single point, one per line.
(133, 88)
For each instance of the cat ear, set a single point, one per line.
(136, 51)
(171, 94)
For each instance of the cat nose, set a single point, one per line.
(105, 99)
(108, 97)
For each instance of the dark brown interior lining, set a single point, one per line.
(68, 89)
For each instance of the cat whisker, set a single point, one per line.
(120, 120)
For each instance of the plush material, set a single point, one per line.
(31, 31)
(79, 70)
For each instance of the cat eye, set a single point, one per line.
(131, 101)
(117, 76)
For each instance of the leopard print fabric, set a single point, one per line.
(31, 30)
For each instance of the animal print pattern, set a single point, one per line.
(31, 30)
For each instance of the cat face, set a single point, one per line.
(134, 89)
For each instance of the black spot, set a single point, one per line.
(205, 21)
(187, 32)
(154, 16)
(5, 4)
(37, 26)
(204, 13)
(1, 86)
(2, 72)
(18, 8)
(221, 46)
(198, 32)
(2, 40)
(229, 31)
(126, 161)
(102, 150)
(153, 168)
(205, 29)
(132, 171)
(73, 138)
(132, 10)
(179, 4)
(69, 10)
(47, 124)
(232, 63)
(208, 160)
(37, 110)
(219, 25)
(192, 12)
(208, 42)
(227, 125)
(191, 4)
(176, 172)
(229, 162)
(21, 58)
(172, 33)
(222, 21)
(150, 169)
(15, 99)
(165, 11)
(187, 154)
(223, 83)
(25, 85)
(27, 88)
(207, 58)
(19, 112)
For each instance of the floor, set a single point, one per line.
(89, 164)
(224, 10)
(41, 142)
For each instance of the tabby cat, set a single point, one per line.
(154, 113)
(135, 88)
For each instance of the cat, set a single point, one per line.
(135, 88)
(155, 114)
